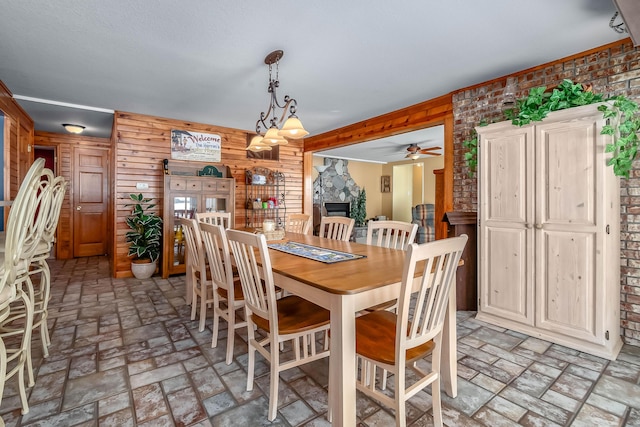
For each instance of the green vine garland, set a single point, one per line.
(622, 113)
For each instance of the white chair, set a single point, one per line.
(394, 342)
(288, 319)
(218, 218)
(200, 276)
(39, 265)
(227, 290)
(23, 232)
(336, 227)
(298, 223)
(391, 234)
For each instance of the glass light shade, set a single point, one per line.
(272, 137)
(321, 168)
(415, 156)
(257, 144)
(293, 129)
(73, 128)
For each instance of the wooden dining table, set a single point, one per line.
(345, 288)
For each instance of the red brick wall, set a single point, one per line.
(613, 69)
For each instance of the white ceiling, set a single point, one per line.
(344, 61)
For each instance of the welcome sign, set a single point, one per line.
(195, 146)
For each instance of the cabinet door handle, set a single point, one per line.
(78, 208)
(527, 225)
(539, 226)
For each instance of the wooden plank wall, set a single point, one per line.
(65, 144)
(141, 143)
(18, 141)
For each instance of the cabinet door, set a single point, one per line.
(569, 228)
(506, 215)
(184, 206)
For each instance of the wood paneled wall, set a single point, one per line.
(141, 143)
(18, 140)
(64, 145)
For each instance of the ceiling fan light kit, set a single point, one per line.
(292, 127)
(415, 152)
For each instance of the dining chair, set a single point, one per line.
(394, 235)
(391, 234)
(336, 227)
(219, 218)
(290, 319)
(394, 342)
(197, 270)
(298, 223)
(227, 290)
(23, 232)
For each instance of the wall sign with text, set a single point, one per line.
(194, 146)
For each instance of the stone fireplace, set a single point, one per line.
(335, 183)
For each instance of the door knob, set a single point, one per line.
(78, 208)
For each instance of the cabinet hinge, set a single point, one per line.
(606, 335)
(608, 230)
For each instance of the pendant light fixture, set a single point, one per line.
(292, 127)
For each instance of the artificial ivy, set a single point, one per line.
(622, 112)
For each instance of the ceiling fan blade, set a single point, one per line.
(427, 150)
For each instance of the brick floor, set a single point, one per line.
(124, 352)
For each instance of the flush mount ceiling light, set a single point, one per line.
(73, 128)
(292, 127)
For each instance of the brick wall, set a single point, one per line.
(612, 69)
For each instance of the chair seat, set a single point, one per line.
(237, 290)
(383, 306)
(295, 314)
(376, 338)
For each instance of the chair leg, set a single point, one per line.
(231, 331)
(251, 362)
(216, 326)
(436, 358)
(25, 350)
(194, 302)
(203, 308)
(3, 371)
(274, 380)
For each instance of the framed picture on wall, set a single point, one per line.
(385, 184)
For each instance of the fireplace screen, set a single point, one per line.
(337, 209)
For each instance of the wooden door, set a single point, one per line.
(506, 216)
(90, 197)
(569, 229)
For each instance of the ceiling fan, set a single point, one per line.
(414, 152)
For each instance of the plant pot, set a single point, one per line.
(143, 269)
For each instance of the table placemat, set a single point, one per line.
(328, 256)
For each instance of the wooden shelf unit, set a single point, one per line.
(186, 193)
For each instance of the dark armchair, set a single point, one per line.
(423, 216)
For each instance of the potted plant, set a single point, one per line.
(359, 209)
(144, 238)
(622, 113)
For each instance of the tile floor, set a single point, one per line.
(124, 353)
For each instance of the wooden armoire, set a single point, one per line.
(549, 231)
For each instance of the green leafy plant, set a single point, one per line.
(621, 111)
(358, 209)
(624, 125)
(146, 229)
(540, 102)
